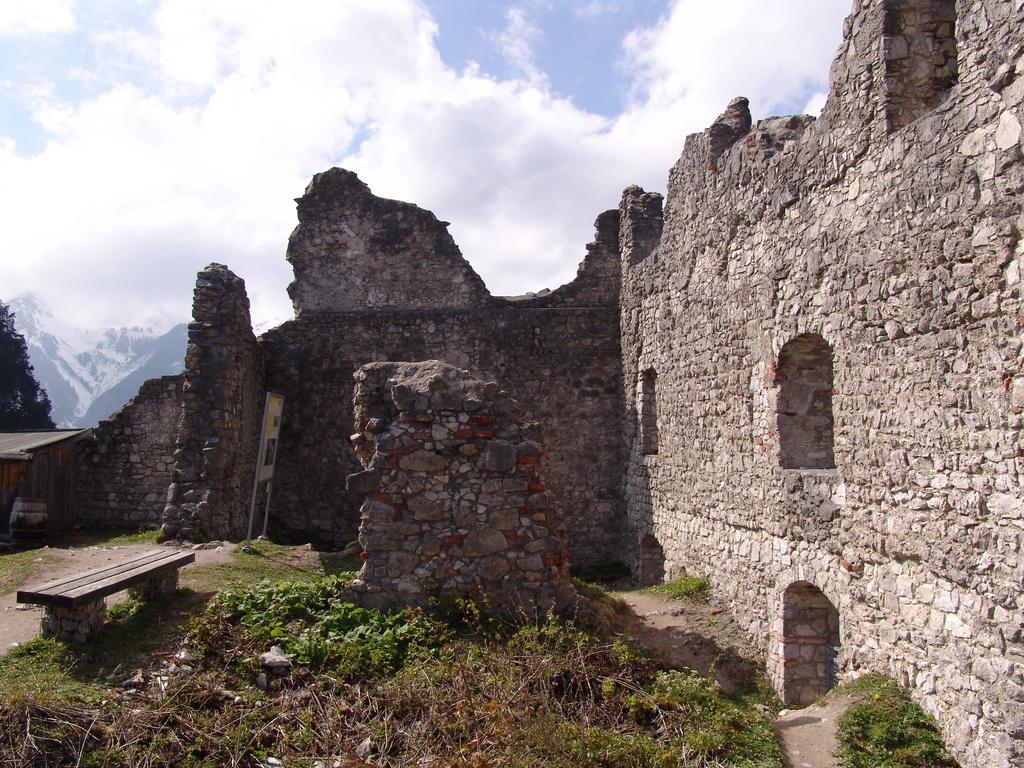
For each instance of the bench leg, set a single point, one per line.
(73, 625)
(159, 586)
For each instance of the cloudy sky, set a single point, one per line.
(142, 139)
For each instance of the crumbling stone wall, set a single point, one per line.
(125, 466)
(899, 247)
(353, 250)
(453, 500)
(558, 350)
(218, 437)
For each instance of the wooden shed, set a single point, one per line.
(40, 464)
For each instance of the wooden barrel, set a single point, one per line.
(28, 522)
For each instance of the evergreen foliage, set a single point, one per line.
(23, 403)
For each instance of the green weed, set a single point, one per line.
(686, 586)
(886, 729)
(461, 690)
(314, 626)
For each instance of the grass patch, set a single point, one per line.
(46, 671)
(684, 587)
(266, 561)
(42, 671)
(886, 729)
(114, 537)
(18, 568)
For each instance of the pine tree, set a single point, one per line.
(23, 403)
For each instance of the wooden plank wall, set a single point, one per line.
(13, 483)
(49, 475)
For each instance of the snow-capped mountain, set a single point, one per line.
(89, 374)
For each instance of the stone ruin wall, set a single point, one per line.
(453, 502)
(558, 352)
(886, 232)
(222, 405)
(898, 244)
(125, 467)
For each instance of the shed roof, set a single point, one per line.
(21, 445)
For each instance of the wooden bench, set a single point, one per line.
(74, 605)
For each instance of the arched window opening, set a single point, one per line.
(810, 644)
(920, 57)
(804, 405)
(647, 411)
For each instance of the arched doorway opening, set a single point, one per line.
(652, 561)
(810, 644)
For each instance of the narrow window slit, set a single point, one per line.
(648, 413)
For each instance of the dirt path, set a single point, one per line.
(694, 634)
(808, 735)
(20, 623)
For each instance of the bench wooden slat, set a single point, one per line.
(127, 579)
(101, 582)
(61, 583)
(64, 583)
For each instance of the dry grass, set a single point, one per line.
(462, 693)
(542, 699)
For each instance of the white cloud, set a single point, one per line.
(816, 103)
(32, 17)
(521, 175)
(516, 43)
(771, 51)
(236, 105)
(589, 9)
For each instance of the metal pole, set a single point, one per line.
(266, 510)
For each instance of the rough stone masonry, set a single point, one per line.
(799, 374)
(218, 436)
(126, 465)
(453, 500)
(832, 319)
(379, 279)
